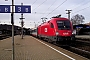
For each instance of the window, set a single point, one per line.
(64, 24)
(51, 25)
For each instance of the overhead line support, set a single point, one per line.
(69, 11)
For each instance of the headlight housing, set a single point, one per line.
(57, 33)
(74, 32)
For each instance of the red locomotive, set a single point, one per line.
(56, 29)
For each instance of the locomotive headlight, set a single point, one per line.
(74, 32)
(57, 33)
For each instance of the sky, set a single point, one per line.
(46, 8)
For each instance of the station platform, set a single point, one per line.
(30, 48)
(83, 37)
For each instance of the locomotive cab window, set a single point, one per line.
(51, 25)
(64, 24)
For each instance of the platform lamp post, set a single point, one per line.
(12, 22)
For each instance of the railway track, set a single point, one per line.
(86, 42)
(80, 47)
(78, 51)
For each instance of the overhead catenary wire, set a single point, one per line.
(74, 6)
(81, 5)
(39, 5)
(50, 7)
(59, 6)
(56, 8)
(81, 9)
(34, 2)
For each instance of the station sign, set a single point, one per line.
(22, 9)
(4, 8)
(18, 9)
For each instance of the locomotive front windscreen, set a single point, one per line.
(63, 24)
